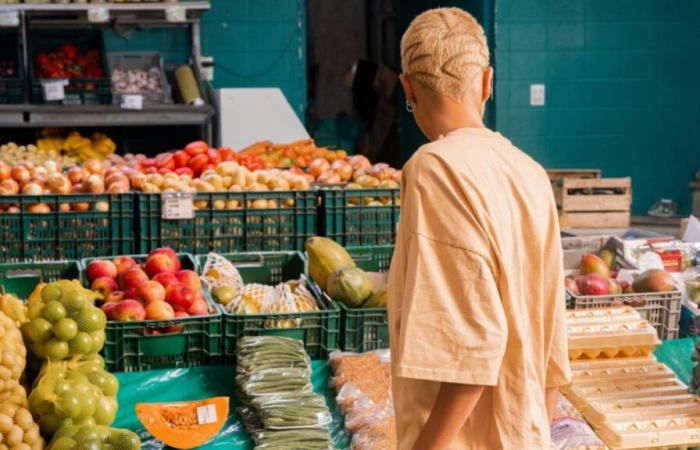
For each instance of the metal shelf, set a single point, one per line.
(77, 11)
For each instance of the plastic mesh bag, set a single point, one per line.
(219, 271)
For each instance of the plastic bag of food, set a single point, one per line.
(292, 410)
(219, 271)
(257, 353)
(275, 381)
(308, 439)
(574, 434)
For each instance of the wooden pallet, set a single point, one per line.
(593, 202)
(558, 174)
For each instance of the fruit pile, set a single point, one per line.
(67, 62)
(157, 289)
(13, 154)
(332, 267)
(294, 154)
(136, 80)
(597, 277)
(72, 144)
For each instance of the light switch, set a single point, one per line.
(537, 94)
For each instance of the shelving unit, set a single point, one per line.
(181, 14)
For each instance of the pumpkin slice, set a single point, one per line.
(184, 425)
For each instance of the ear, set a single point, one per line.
(486, 84)
(407, 88)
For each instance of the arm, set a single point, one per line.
(550, 399)
(453, 406)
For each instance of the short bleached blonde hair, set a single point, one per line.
(444, 49)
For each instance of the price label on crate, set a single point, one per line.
(132, 101)
(54, 89)
(9, 18)
(177, 205)
(98, 15)
(175, 14)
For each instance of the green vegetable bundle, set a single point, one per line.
(256, 353)
(306, 439)
(295, 410)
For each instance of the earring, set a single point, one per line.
(410, 105)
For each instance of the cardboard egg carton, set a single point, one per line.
(609, 410)
(681, 431)
(583, 394)
(610, 363)
(602, 315)
(609, 374)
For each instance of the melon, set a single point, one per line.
(184, 425)
(325, 257)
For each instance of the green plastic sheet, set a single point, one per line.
(212, 381)
(199, 383)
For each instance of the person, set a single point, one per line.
(476, 295)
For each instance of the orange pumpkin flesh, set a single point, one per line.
(175, 424)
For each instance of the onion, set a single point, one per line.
(10, 186)
(138, 180)
(52, 166)
(13, 210)
(20, 173)
(94, 184)
(76, 175)
(118, 188)
(58, 184)
(32, 189)
(116, 178)
(30, 167)
(328, 177)
(76, 188)
(94, 166)
(102, 206)
(80, 206)
(39, 208)
(64, 207)
(5, 171)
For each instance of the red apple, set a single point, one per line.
(166, 279)
(150, 291)
(123, 263)
(159, 311)
(198, 308)
(160, 263)
(130, 294)
(115, 297)
(179, 296)
(101, 268)
(190, 279)
(164, 250)
(105, 286)
(108, 309)
(128, 310)
(132, 278)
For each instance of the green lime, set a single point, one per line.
(39, 330)
(98, 341)
(80, 344)
(56, 349)
(62, 386)
(88, 405)
(53, 311)
(65, 329)
(105, 410)
(124, 439)
(64, 443)
(91, 319)
(34, 310)
(74, 301)
(87, 434)
(69, 404)
(108, 383)
(51, 293)
(89, 445)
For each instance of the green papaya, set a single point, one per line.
(378, 299)
(350, 285)
(325, 257)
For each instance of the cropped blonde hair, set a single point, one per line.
(444, 49)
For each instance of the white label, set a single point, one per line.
(132, 101)
(537, 94)
(9, 19)
(175, 14)
(177, 205)
(206, 414)
(98, 15)
(53, 90)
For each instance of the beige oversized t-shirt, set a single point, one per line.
(476, 290)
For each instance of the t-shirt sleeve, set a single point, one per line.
(453, 324)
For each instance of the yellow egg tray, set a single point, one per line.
(680, 431)
(617, 337)
(607, 410)
(591, 364)
(587, 393)
(602, 315)
(621, 373)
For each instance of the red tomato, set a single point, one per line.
(181, 157)
(164, 170)
(184, 171)
(148, 162)
(150, 170)
(196, 148)
(165, 161)
(214, 156)
(227, 154)
(197, 163)
(209, 167)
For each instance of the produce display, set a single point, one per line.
(293, 154)
(332, 267)
(136, 80)
(13, 154)
(67, 62)
(72, 144)
(156, 289)
(279, 409)
(363, 385)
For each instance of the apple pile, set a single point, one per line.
(158, 289)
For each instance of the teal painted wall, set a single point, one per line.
(255, 43)
(622, 84)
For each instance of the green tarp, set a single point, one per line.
(212, 381)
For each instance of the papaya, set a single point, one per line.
(325, 257)
(378, 299)
(350, 285)
(654, 280)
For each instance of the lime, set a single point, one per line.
(50, 423)
(56, 349)
(124, 440)
(65, 329)
(53, 311)
(74, 300)
(51, 293)
(80, 344)
(34, 310)
(91, 319)
(86, 434)
(223, 294)
(105, 410)
(88, 406)
(108, 383)
(39, 330)
(69, 404)
(62, 386)
(98, 341)
(64, 443)
(89, 445)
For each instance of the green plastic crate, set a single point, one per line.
(217, 229)
(11, 88)
(346, 217)
(106, 228)
(21, 278)
(319, 329)
(137, 346)
(365, 329)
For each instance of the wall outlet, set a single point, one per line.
(208, 68)
(537, 94)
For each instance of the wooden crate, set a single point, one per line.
(558, 174)
(593, 202)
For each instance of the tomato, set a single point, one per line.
(209, 167)
(148, 162)
(197, 163)
(165, 161)
(164, 170)
(296, 170)
(181, 157)
(150, 170)
(214, 156)
(184, 171)
(196, 148)
(227, 154)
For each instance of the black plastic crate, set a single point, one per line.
(11, 88)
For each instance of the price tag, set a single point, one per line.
(53, 90)
(98, 15)
(206, 414)
(9, 18)
(175, 14)
(177, 205)
(132, 101)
